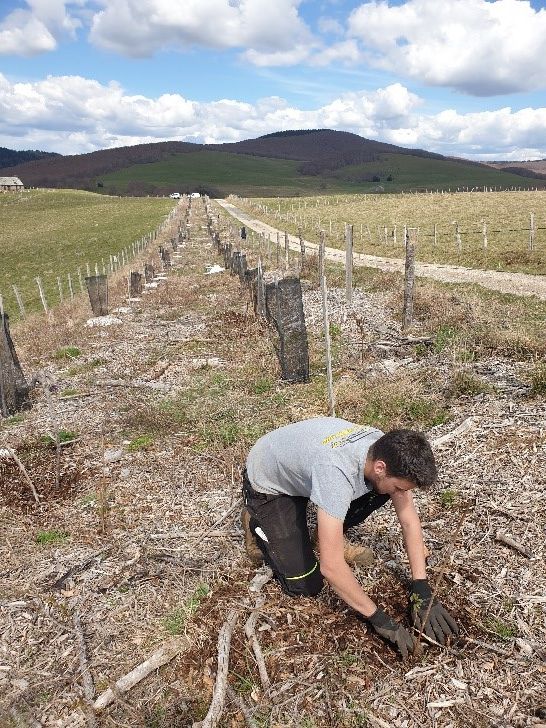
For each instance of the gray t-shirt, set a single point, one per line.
(321, 459)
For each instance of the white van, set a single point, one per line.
(175, 195)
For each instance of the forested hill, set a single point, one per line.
(69, 170)
(12, 158)
(287, 162)
(317, 149)
(320, 149)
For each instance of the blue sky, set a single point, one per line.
(460, 77)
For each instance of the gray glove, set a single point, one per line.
(392, 631)
(440, 624)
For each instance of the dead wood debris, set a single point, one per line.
(135, 594)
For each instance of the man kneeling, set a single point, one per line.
(348, 471)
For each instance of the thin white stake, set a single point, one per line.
(324, 291)
(19, 302)
(349, 264)
(42, 294)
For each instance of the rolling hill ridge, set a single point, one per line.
(289, 162)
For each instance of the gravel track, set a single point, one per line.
(519, 284)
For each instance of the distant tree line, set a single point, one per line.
(12, 158)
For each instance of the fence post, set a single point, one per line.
(328, 347)
(97, 287)
(349, 264)
(409, 280)
(532, 232)
(284, 307)
(20, 303)
(136, 285)
(13, 386)
(260, 292)
(286, 251)
(42, 294)
(60, 287)
(458, 241)
(484, 233)
(149, 272)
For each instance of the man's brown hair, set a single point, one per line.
(407, 454)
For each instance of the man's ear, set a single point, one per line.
(379, 468)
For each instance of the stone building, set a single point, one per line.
(11, 184)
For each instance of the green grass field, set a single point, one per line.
(50, 233)
(376, 217)
(246, 175)
(408, 172)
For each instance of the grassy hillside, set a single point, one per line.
(284, 163)
(223, 173)
(409, 172)
(53, 232)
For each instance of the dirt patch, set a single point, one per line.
(40, 461)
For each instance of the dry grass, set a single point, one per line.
(135, 545)
(375, 218)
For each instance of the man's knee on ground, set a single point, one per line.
(308, 586)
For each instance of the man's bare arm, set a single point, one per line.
(334, 568)
(342, 580)
(411, 531)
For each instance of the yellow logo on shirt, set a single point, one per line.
(349, 435)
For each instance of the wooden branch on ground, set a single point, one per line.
(60, 582)
(261, 578)
(9, 453)
(87, 680)
(250, 632)
(507, 540)
(159, 658)
(457, 432)
(220, 686)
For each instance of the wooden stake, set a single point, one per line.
(409, 280)
(42, 294)
(532, 232)
(324, 291)
(9, 453)
(286, 251)
(484, 233)
(458, 241)
(20, 303)
(349, 264)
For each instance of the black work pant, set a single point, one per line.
(279, 523)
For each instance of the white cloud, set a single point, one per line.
(71, 114)
(142, 27)
(476, 46)
(36, 30)
(329, 25)
(23, 34)
(346, 51)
